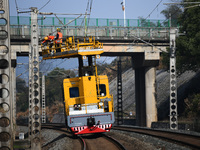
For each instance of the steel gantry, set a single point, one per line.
(6, 96)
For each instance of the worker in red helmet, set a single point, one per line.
(58, 40)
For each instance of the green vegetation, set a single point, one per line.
(188, 46)
(53, 82)
(192, 110)
(193, 106)
(22, 95)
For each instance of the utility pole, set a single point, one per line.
(30, 93)
(6, 96)
(35, 84)
(173, 82)
(119, 93)
(43, 100)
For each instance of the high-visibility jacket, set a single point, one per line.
(59, 37)
(50, 38)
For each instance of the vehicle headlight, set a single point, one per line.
(100, 103)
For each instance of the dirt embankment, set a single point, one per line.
(187, 83)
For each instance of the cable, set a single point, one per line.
(18, 9)
(59, 19)
(153, 10)
(44, 5)
(90, 11)
(16, 6)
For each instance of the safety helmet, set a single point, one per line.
(58, 29)
(46, 38)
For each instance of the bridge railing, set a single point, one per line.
(99, 27)
(103, 31)
(98, 22)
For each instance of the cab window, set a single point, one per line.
(102, 89)
(74, 92)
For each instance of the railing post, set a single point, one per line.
(158, 23)
(169, 23)
(64, 20)
(149, 25)
(128, 22)
(53, 21)
(107, 22)
(29, 26)
(75, 27)
(118, 22)
(18, 29)
(97, 22)
(118, 27)
(41, 26)
(108, 27)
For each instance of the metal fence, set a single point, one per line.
(139, 28)
(98, 22)
(138, 32)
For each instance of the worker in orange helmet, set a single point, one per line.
(58, 40)
(49, 39)
(45, 40)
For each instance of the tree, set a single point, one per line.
(22, 95)
(188, 46)
(54, 80)
(146, 22)
(174, 11)
(193, 106)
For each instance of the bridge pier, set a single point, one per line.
(145, 90)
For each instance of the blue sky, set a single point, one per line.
(100, 8)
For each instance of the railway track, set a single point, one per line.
(77, 141)
(101, 141)
(187, 140)
(88, 141)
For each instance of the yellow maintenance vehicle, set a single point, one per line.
(87, 100)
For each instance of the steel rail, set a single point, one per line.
(59, 127)
(189, 140)
(116, 142)
(88, 139)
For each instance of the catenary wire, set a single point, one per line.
(45, 5)
(154, 9)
